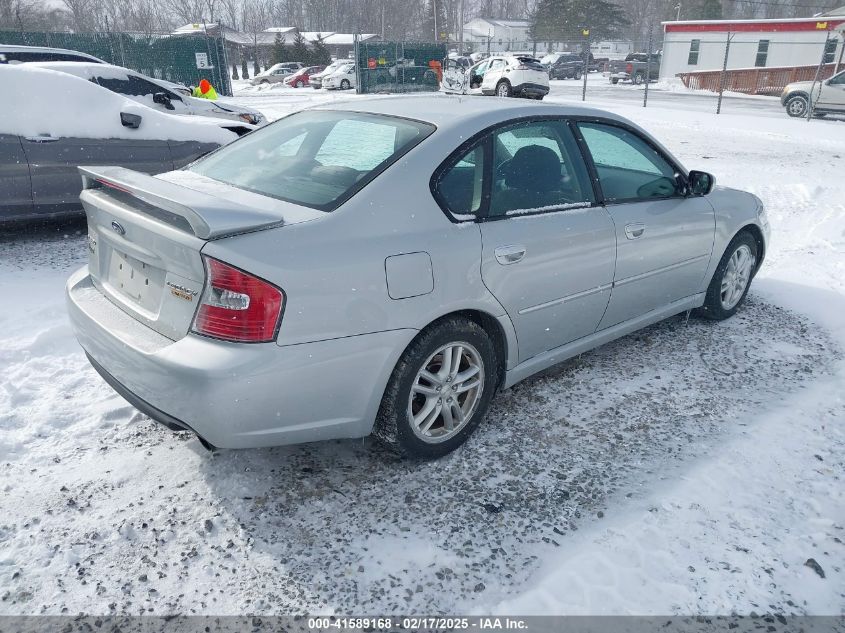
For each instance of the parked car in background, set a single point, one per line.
(43, 141)
(503, 76)
(316, 80)
(302, 77)
(636, 68)
(297, 276)
(156, 93)
(566, 66)
(828, 96)
(343, 78)
(24, 54)
(272, 76)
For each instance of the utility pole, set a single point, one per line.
(585, 54)
(678, 14)
(810, 106)
(648, 65)
(724, 71)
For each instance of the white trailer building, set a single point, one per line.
(697, 46)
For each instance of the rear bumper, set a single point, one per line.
(531, 89)
(235, 395)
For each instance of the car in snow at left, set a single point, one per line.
(43, 141)
(158, 94)
(499, 75)
(387, 266)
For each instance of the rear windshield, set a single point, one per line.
(316, 159)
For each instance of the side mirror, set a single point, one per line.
(132, 121)
(700, 183)
(163, 99)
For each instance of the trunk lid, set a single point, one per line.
(146, 234)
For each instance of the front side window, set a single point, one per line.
(762, 53)
(537, 168)
(628, 167)
(838, 80)
(316, 159)
(694, 45)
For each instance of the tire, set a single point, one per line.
(796, 106)
(577, 75)
(614, 81)
(264, 81)
(503, 89)
(298, 84)
(539, 97)
(637, 79)
(345, 85)
(727, 279)
(395, 425)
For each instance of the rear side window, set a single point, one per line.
(537, 168)
(316, 159)
(460, 188)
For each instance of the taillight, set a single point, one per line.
(629, 68)
(238, 307)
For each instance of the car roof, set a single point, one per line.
(468, 114)
(15, 48)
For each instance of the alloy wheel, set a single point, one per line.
(797, 106)
(737, 276)
(445, 392)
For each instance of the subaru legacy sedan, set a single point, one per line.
(384, 267)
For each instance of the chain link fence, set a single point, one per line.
(180, 59)
(398, 67)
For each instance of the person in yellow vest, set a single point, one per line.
(205, 90)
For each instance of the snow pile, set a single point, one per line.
(40, 102)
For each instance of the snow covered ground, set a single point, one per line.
(690, 468)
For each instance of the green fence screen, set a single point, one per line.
(398, 66)
(182, 59)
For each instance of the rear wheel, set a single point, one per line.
(439, 391)
(732, 278)
(504, 89)
(637, 79)
(614, 81)
(797, 106)
(577, 75)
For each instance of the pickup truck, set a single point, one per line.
(635, 68)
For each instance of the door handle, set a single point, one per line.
(506, 255)
(635, 230)
(42, 139)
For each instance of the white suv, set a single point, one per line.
(500, 75)
(828, 96)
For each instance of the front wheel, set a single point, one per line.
(345, 85)
(504, 89)
(298, 84)
(614, 81)
(439, 391)
(732, 278)
(797, 106)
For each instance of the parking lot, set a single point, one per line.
(576, 495)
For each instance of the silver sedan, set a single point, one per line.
(385, 267)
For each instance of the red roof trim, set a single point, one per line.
(754, 27)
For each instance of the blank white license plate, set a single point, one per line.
(136, 280)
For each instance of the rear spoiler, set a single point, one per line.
(208, 216)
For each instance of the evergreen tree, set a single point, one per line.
(559, 20)
(320, 55)
(300, 51)
(279, 53)
(704, 10)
